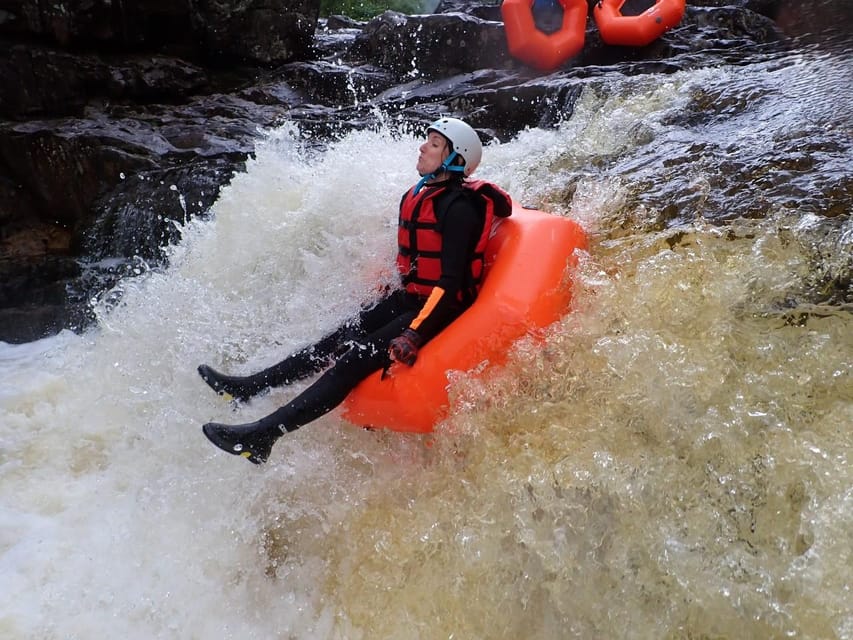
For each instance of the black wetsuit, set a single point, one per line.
(359, 347)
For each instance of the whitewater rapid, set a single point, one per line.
(673, 462)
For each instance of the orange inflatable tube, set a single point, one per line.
(621, 22)
(524, 290)
(544, 51)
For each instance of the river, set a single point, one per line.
(673, 462)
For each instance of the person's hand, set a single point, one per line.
(404, 348)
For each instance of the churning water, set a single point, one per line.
(674, 462)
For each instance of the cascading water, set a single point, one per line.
(673, 462)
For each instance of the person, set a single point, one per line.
(444, 224)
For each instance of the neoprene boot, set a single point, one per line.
(242, 388)
(256, 439)
(253, 441)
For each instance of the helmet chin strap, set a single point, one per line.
(445, 166)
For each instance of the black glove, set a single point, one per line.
(404, 348)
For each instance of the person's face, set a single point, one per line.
(432, 153)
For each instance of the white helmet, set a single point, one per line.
(464, 140)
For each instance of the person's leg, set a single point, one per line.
(255, 440)
(310, 360)
(295, 367)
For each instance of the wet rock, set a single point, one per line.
(80, 24)
(45, 81)
(262, 31)
(329, 83)
(729, 27)
(483, 10)
(433, 45)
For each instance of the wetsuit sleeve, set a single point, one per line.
(460, 229)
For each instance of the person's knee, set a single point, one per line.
(359, 361)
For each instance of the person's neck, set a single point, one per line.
(444, 178)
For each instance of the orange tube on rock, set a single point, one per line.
(636, 30)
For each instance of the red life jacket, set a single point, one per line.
(419, 243)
